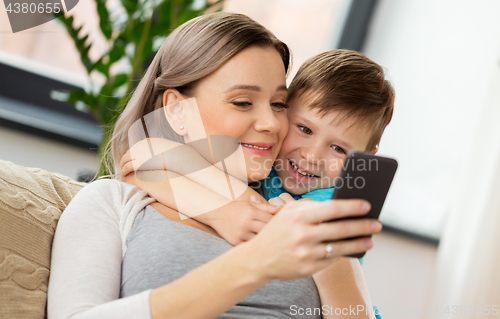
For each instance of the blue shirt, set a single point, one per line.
(272, 187)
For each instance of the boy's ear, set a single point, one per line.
(174, 110)
(374, 150)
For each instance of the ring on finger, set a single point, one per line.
(328, 249)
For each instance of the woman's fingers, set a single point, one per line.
(336, 209)
(343, 248)
(337, 230)
(294, 242)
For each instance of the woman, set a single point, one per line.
(113, 241)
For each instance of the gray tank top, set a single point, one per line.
(160, 251)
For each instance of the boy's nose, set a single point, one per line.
(312, 154)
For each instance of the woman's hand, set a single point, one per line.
(293, 243)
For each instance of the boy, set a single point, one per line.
(339, 100)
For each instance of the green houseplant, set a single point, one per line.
(133, 35)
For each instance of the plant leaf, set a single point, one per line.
(104, 21)
(130, 6)
(80, 45)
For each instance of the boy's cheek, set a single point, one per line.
(329, 180)
(288, 142)
(331, 174)
(334, 168)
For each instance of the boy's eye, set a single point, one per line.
(305, 129)
(339, 149)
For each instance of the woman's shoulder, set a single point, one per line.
(106, 185)
(109, 201)
(114, 194)
(110, 187)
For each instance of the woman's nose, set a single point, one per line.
(267, 122)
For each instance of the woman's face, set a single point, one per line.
(245, 98)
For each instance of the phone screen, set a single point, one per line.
(368, 177)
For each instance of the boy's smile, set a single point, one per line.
(316, 146)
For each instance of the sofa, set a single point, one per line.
(31, 203)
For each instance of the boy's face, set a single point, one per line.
(315, 148)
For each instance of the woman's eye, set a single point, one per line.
(242, 103)
(305, 129)
(339, 149)
(280, 105)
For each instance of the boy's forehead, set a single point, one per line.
(332, 118)
(308, 97)
(340, 121)
(305, 105)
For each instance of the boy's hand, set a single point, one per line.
(132, 161)
(140, 153)
(284, 199)
(240, 221)
(126, 164)
(135, 156)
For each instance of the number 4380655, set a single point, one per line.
(471, 310)
(33, 8)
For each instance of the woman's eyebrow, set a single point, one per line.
(282, 88)
(243, 87)
(252, 88)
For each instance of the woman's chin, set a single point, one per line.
(257, 175)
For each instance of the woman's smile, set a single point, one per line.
(259, 148)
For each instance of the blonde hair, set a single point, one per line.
(191, 52)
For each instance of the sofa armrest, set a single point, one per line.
(31, 203)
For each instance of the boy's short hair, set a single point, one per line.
(349, 82)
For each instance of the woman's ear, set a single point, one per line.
(174, 110)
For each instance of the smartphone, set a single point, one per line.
(368, 177)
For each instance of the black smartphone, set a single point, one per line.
(365, 176)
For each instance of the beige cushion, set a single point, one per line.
(31, 202)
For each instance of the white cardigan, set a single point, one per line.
(87, 253)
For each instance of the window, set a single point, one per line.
(307, 27)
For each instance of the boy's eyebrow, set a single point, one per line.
(306, 120)
(313, 125)
(345, 143)
(252, 88)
